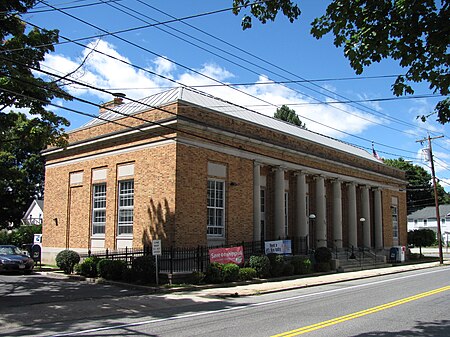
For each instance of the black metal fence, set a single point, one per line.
(174, 259)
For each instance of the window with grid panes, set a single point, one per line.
(125, 207)
(216, 208)
(98, 209)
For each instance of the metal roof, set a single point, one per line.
(208, 101)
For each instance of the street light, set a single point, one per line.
(312, 217)
(362, 220)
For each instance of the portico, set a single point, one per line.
(346, 213)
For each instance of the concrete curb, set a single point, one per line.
(259, 286)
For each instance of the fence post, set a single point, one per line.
(201, 259)
(89, 253)
(198, 258)
(107, 251)
(171, 260)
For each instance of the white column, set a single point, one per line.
(337, 214)
(378, 219)
(320, 223)
(279, 203)
(365, 210)
(256, 201)
(352, 216)
(302, 228)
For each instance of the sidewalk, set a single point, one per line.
(314, 280)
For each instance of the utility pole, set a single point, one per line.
(436, 199)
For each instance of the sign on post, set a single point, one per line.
(156, 251)
(156, 247)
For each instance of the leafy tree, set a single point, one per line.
(414, 33)
(26, 126)
(422, 238)
(20, 236)
(287, 114)
(419, 192)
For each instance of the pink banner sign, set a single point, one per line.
(227, 255)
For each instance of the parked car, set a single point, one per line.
(14, 259)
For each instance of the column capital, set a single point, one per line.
(257, 163)
(278, 168)
(300, 173)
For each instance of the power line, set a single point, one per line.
(303, 116)
(350, 102)
(181, 20)
(171, 80)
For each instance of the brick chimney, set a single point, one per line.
(110, 105)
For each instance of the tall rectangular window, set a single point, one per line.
(125, 207)
(98, 209)
(394, 222)
(216, 208)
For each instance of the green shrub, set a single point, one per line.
(301, 264)
(214, 273)
(111, 269)
(230, 272)
(88, 267)
(322, 254)
(143, 268)
(246, 274)
(197, 277)
(261, 264)
(276, 264)
(66, 260)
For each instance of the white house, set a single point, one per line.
(34, 213)
(426, 218)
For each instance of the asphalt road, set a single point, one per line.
(407, 304)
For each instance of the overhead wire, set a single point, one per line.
(265, 61)
(349, 102)
(181, 84)
(213, 79)
(208, 13)
(157, 123)
(352, 135)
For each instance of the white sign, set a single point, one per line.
(37, 239)
(278, 247)
(156, 247)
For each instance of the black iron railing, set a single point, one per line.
(174, 259)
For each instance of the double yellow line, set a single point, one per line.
(354, 315)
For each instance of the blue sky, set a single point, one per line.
(214, 46)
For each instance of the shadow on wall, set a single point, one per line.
(160, 226)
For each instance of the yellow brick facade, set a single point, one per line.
(170, 158)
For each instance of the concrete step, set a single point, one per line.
(361, 264)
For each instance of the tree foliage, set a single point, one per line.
(422, 238)
(26, 125)
(288, 115)
(414, 33)
(420, 192)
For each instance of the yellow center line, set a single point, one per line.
(324, 324)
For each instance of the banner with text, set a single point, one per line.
(278, 247)
(227, 255)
